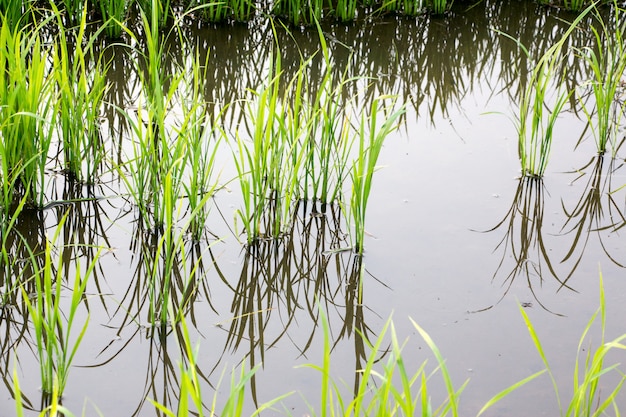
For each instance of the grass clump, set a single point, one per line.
(27, 110)
(606, 60)
(114, 15)
(263, 172)
(586, 397)
(81, 89)
(370, 139)
(538, 111)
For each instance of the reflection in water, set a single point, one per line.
(282, 280)
(428, 63)
(303, 271)
(13, 331)
(162, 383)
(22, 255)
(523, 240)
(74, 246)
(596, 212)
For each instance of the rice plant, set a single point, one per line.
(157, 12)
(412, 8)
(299, 12)
(52, 408)
(536, 120)
(56, 345)
(14, 13)
(268, 164)
(73, 9)
(370, 140)
(81, 89)
(606, 60)
(114, 15)
(345, 10)
(213, 12)
(196, 130)
(390, 6)
(387, 387)
(591, 396)
(26, 113)
(158, 155)
(242, 10)
(329, 143)
(190, 400)
(438, 7)
(574, 5)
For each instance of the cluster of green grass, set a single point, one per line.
(114, 15)
(300, 146)
(546, 94)
(48, 90)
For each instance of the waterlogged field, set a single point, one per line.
(248, 197)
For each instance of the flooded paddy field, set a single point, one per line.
(455, 238)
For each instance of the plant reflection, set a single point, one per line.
(168, 279)
(523, 240)
(426, 62)
(293, 275)
(596, 212)
(22, 255)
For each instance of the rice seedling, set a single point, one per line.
(329, 142)
(157, 12)
(438, 7)
(114, 15)
(26, 113)
(268, 164)
(158, 155)
(535, 141)
(387, 388)
(53, 407)
(535, 121)
(242, 10)
(212, 12)
(390, 6)
(80, 93)
(14, 13)
(345, 10)
(590, 396)
(574, 5)
(73, 10)
(412, 8)
(299, 12)
(190, 400)
(196, 130)
(56, 346)
(607, 63)
(189, 383)
(370, 139)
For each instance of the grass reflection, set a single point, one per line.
(285, 279)
(523, 239)
(596, 212)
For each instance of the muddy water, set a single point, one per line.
(455, 240)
